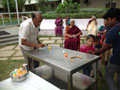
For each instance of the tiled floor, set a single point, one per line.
(13, 52)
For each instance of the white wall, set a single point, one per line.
(47, 26)
(81, 23)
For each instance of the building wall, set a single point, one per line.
(33, 7)
(97, 3)
(53, 4)
(118, 3)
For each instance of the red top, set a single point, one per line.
(86, 49)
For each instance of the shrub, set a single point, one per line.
(93, 9)
(68, 7)
(73, 15)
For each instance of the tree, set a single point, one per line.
(42, 5)
(68, 7)
(21, 4)
(12, 6)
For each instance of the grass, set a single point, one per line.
(102, 85)
(7, 66)
(7, 21)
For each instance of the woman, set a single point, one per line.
(67, 21)
(72, 37)
(58, 28)
(92, 26)
(102, 32)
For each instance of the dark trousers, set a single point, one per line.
(87, 70)
(30, 62)
(111, 69)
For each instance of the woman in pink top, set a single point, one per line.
(88, 48)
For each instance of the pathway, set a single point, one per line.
(13, 52)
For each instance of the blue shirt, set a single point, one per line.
(113, 38)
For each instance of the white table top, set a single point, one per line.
(33, 82)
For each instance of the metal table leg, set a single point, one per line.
(96, 74)
(70, 82)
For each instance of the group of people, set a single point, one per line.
(59, 25)
(97, 42)
(72, 32)
(112, 40)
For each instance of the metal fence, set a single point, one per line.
(13, 18)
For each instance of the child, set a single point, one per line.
(88, 48)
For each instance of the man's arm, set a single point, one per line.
(26, 43)
(110, 38)
(40, 42)
(102, 32)
(104, 48)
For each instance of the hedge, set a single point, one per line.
(79, 15)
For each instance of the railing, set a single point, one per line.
(11, 18)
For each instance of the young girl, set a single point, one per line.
(88, 48)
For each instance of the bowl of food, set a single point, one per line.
(19, 74)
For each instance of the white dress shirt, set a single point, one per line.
(29, 32)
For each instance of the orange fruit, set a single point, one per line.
(65, 54)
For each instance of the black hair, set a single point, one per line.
(90, 36)
(112, 13)
(97, 39)
(33, 15)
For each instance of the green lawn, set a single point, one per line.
(7, 66)
(7, 21)
(102, 85)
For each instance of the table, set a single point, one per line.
(33, 82)
(55, 58)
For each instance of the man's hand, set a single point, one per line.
(104, 48)
(39, 45)
(97, 52)
(90, 52)
(42, 45)
(25, 42)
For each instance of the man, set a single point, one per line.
(28, 37)
(112, 41)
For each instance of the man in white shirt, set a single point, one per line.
(28, 37)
